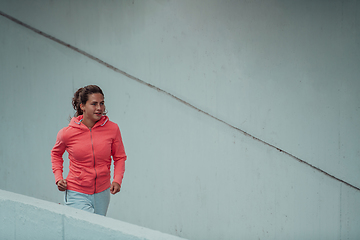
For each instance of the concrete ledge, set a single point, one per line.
(23, 217)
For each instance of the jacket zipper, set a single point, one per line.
(92, 146)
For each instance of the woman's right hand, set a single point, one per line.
(62, 185)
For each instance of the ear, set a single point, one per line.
(82, 107)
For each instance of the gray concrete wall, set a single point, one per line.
(266, 144)
(23, 217)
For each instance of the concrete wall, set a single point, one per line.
(287, 73)
(23, 217)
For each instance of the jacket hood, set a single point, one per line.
(76, 122)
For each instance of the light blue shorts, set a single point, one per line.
(95, 203)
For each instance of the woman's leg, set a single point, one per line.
(101, 202)
(79, 200)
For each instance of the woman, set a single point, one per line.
(91, 139)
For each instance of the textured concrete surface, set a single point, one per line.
(23, 217)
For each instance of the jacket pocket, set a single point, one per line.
(103, 175)
(103, 171)
(82, 178)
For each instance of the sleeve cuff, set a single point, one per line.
(58, 176)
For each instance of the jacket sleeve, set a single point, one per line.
(119, 157)
(56, 156)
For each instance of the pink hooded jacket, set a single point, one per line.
(90, 152)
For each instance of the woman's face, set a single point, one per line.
(94, 107)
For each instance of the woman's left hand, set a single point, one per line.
(115, 188)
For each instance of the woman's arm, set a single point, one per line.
(57, 159)
(119, 157)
